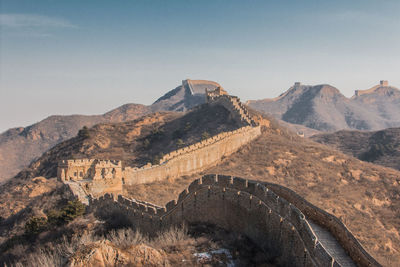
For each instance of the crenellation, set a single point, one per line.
(170, 205)
(240, 183)
(209, 179)
(182, 195)
(224, 180)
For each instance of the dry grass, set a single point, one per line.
(126, 237)
(177, 245)
(363, 195)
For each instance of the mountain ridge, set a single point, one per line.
(323, 107)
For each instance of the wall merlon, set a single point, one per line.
(183, 195)
(240, 183)
(161, 211)
(224, 180)
(194, 186)
(170, 205)
(209, 179)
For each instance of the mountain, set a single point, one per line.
(363, 195)
(127, 140)
(191, 93)
(19, 146)
(324, 108)
(379, 147)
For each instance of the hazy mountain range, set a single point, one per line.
(323, 107)
(303, 108)
(19, 146)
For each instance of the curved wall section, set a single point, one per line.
(275, 224)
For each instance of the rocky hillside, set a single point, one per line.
(191, 93)
(364, 196)
(19, 146)
(379, 147)
(324, 108)
(137, 142)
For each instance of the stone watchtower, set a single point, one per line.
(384, 83)
(212, 94)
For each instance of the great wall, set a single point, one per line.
(283, 224)
(93, 176)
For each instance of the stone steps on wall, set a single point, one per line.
(333, 247)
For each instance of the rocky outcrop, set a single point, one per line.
(104, 254)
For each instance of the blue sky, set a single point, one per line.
(87, 57)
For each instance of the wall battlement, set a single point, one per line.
(274, 217)
(232, 103)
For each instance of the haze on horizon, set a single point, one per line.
(75, 57)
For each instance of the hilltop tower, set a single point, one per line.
(212, 94)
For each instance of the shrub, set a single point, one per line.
(171, 237)
(146, 143)
(187, 128)
(205, 135)
(35, 225)
(54, 217)
(180, 143)
(157, 134)
(126, 237)
(177, 134)
(157, 158)
(73, 209)
(84, 132)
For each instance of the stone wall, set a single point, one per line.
(91, 176)
(80, 169)
(328, 221)
(232, 103)
(275, 224)
(192, 159)
(101, 176)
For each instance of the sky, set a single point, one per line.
(88, 57)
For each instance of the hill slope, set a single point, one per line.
(379, 147)
(363, 195)
(136, 142)
(19, 146)
(323, 107)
